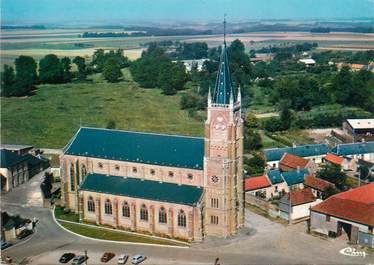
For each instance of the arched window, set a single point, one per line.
(91, 204)
(144, 213)
(182, 219)
(162, 216)
(83, 171)
(125, 209)
(72, 177)
(108, 207)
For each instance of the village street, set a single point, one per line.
(261, 242)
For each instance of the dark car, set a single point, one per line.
(5, 245)
(66, 257)
(107, 256)
(24, 233)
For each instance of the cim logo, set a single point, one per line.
(352, 252)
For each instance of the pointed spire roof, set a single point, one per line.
(223, 88)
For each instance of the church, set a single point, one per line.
(167, 185)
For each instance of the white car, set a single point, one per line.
(122, 259)
(138, 259)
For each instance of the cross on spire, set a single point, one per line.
(224, 29)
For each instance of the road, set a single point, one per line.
(260, 242)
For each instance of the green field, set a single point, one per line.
(52, 116)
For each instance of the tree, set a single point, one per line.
(333, 174)
(285, 116)
(26, 75)
(81, 64)
(329, 191)
(112, 71)
(50, 70)
(251, 121)
(98, 60)
(66, 69)
(7, 81)
(254, 165)
(252, 140)
(111, 124)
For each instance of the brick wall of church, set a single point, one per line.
(169, 228)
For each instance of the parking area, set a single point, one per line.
(262, 241)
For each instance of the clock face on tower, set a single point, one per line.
(214, 179)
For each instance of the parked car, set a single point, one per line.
(138, 259)
(107, 256)
(5, 245)
(66, 257)
(79, 260)
(24, 233)
(122, 259)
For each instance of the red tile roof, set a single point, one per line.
(334, 159)
(255, 183)
(316, 183)
(292, 161)
(301, 196)
(356, 205)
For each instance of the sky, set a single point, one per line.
(68, 11)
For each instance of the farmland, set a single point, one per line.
(67, 42)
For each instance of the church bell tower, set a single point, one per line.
(223, 159)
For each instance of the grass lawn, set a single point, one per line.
(52, 116)
(59, 214)
(286, 138)
(115, 236)
(268, 142)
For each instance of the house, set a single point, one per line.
(350, 213)
(354, 66)
(13, 169)
(17, 148)
(314, 152)
(258, 186)
(167, 185)
(317, 185)
(296, 204)
(262, 57)
(295, 179)
(359, 129)
(278, 185)
(364, 150)
(308, 62)
(190, 64)
(346, 163)
(290, 162)
(16, 169)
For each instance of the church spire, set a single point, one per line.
(223, 87)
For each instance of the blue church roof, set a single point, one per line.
(301, 150)
(147, 148)
(223, 88)
(143, 189)
(354, 148)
